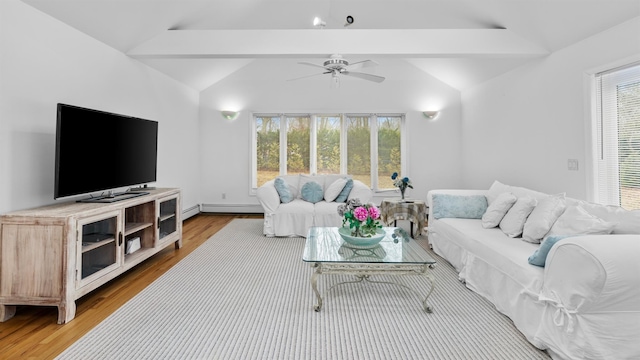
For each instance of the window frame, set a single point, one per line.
(594, 138)
(373, 126)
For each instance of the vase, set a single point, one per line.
(402, 190)
(359, 241)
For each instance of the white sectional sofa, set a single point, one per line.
(584, 303)
(294, 218)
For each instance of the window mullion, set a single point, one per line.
(373, 123)
(283, 144)
(313, 145)
(343, 144)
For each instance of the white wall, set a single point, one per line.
(434, 146)
(522, 127)
(44, 62)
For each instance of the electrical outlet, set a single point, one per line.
(224, 196)
(572, 164)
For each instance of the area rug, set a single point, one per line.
(241, 295)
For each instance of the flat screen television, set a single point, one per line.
(102, 151)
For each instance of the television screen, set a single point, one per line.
(101, 151)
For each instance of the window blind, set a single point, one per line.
(618, 136)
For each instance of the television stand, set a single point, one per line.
(114, 197)
(55, 254)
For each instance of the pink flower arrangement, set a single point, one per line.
(362, 219)
(374, 212)
(361, 213)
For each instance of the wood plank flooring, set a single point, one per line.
(33, 333)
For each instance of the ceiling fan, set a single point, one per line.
(337, 66)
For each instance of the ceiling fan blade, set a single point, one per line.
(364, 76)
(363, 63)
(308, 76)
(311, 64)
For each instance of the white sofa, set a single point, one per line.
(296, 217)
(583, 304)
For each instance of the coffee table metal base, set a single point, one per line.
(363, 271)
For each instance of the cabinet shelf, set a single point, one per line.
(164, 217)
(141, 254)
(88, 246)
(130, 228)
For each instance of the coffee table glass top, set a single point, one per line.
(324, 244)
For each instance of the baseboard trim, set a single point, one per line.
(233, 208)
(192, 211)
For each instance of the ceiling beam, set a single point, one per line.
(414, 43)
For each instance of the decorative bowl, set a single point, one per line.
(361, 242)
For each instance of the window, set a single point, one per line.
(328, 144)
(389, 145)
(359, 148)
(617, 126)
(368, 147)
(298, 135)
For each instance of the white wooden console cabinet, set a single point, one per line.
(55, 254)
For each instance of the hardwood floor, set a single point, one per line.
(33, 333)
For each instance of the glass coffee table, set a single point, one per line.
(396, 254)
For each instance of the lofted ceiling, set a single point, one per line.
(460, 42)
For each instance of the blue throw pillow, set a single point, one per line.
(344, 194)
(459, 206)
(312, 192)
(539, 257)
(283, 190)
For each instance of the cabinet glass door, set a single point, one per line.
(167, 220)
(98, 248)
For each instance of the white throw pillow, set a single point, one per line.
(495, 190)
(543, 217)
(513, 222)
(577, 221)
(498, 208)
(627, 221)
(498, 188)
(333, 190)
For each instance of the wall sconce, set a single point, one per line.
(317, 22)
(430, 114)
(230, 115)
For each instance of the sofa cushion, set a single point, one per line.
(543, 216)
(628, 221)
(331, 178)
(539, 257)
(577, 221)
(506, 255)
(498, 209)
(312, 192)
(458, 206)
(498, 188)
(513, 221)
(283, 190)
(346, 190)
(293, 219)
(292, 181)
(334, 189)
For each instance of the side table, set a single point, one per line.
(398, 209)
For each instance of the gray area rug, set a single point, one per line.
(241, 295)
